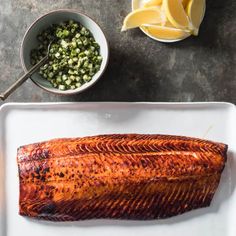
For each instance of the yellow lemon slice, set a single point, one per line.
(195, 10)
(136, 18)
(162, 32)
(176, 14)
(168, 24)
(185, 3)
(152, 3)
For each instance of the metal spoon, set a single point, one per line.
(23, 78)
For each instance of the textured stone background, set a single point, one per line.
(197, 69)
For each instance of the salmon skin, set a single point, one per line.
(121, 176)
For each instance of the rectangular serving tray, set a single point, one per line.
(22, 124)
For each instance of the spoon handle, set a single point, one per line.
(23, 78)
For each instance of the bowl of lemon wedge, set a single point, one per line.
(166, 20)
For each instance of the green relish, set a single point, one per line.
(74, 56)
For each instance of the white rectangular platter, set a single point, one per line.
(22, 124)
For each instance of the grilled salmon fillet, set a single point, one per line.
(121, 176)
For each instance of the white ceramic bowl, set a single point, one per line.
(54, 17)
(139, 3)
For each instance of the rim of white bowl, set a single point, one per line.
(134, 2)
(57, 91)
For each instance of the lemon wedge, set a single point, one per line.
(168, 24)
(162, 32)
(176, 14)
(152, 3)
(185, 3)
(136, 18)
(195, 10)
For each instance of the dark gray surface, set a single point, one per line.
(197, 69)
